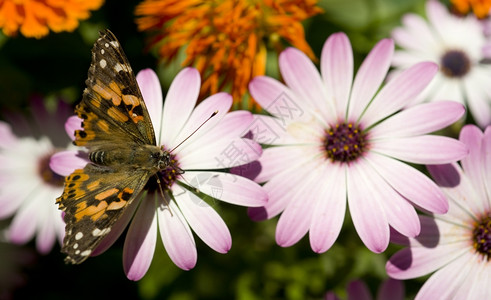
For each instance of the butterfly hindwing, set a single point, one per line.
(94, 198)
(112, 106)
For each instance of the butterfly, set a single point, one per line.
(122, 149)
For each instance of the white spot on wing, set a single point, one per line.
(103, 63)
(106, 44)
(75, 246)
(99, 232)
(79, 235)
(102, 51)
(119, 67)
(114, 43)
(86, 253)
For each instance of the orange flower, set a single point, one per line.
(480, 8)
(225, 39)
(34, 18)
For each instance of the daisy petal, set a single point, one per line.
(425, 149)
(329, 210)
(472, 136)
(140, 242)
(419, 119)
(279, 197)
(420, 260)
(268, 130)
(295, 220)
(399, 91)
(391, 289)
(438, 16)
(420, 189)
(401, 215)
(224, 153)
(366, 211)
(460, 189)
(205, 222)
(24, 223)
(176, 235)
(487, 167)
(234, 124)
(417, 35)
(337, 71)
(277, 99)
(302, 77)
(477, 99)
(475, 283)
(65, 162)
(446, 281)
(73, 123)
(219, 141)
(46, 233)
(7, 138)
(179, 103)
(443, 89)
(218, 103)
(405, 59)
(415, 262)
(357, 289)
(369, 77)
(228, 188)
(151, 91)
(272, 161)
(13, 195)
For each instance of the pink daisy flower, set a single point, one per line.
(214, 146)
(390, 289)
(28, 187)
(338, 139)
(459, 46)
(457, 245)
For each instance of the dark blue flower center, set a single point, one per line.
(455, 63)
(482, 237)
(47, 175)
(344, 142)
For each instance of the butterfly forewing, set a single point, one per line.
(112, 103)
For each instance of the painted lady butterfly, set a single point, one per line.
(123, 154)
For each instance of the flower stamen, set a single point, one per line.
(344, 142)
(482, 237)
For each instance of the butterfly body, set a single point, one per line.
(123, 153)
(149, 157)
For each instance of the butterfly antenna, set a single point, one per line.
(212, 115)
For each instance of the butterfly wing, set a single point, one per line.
(94, 198)
(114, 117)
(112, 106)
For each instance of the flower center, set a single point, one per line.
(482, 237)
(344, 142)
(455, 63)
(47, 174)
(167, 176)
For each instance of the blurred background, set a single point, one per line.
(55, 67)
